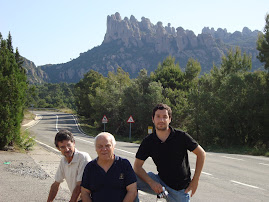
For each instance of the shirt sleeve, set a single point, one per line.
(84, 160)
(130, 176)
(59, 176)
(190, 142)
(143, 151)
(86, 177)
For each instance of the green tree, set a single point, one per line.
(169, 74)
(139, 99)
(12, 92)
(263, 44)
(108, 100)
(227, 106)
(9, 43)
(86, 90)
(19, 59)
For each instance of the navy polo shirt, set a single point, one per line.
(110, 185)
(170, 157)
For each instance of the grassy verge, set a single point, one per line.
(25, 142)
(255, 151)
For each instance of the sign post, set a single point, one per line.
(130, 120)
(32, 106)
(104, 121)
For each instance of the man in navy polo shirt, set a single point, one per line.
(168, 149)
(108, 177)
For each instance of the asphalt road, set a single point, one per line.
(225, 177)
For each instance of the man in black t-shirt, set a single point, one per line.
(168, 149)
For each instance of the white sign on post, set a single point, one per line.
(130, 120)
(104, 119)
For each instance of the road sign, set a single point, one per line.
(130, 120)
(104, 119)
(150, 129)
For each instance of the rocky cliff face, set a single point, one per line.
(133, 45)
(34, 74)
(165, 39)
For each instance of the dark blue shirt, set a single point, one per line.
(110, 185)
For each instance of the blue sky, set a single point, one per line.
(55, 31)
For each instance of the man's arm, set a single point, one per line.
(200, 159)
(86, 195)
(53, 191)
(76, 192)
(131, 193)
(140, 172)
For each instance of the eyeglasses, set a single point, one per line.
(68, 146)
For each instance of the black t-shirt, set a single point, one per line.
(110, 185)
(170, 157)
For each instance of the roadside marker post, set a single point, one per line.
(104, 121)
(130, 120)
(150, 129)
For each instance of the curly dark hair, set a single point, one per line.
(63, 135)
(162, 106)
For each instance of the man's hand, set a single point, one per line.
(200, 160)
(156, 187)
(192, 187)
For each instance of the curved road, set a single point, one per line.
(225, 177)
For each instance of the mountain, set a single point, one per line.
(134, 45)
(35, 75)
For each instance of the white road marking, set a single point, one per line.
(47, 146)
(56, 126)
(77, 138)
(247, 185)
(115, 148)
(34, 122)
(264, 164)
(203, 172)
(227, 157)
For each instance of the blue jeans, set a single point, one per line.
(173, 195)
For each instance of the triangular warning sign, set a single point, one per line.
(130, 120)
(104, 119)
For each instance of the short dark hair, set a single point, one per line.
(63, 135)
(162, 106)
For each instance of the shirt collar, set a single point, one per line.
(171, 135)
(75, 157)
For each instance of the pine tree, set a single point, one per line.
(12, 92)
(19, 59)
(9, 42)
(263, 44)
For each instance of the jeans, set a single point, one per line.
(173, 195)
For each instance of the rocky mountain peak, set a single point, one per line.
(133, 45)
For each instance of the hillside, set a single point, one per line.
(134, 45)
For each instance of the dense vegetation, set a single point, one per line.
(13, 88)
(227, 107)
(50, 95)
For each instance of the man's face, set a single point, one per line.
(161, 119)
(67, 148)
(104, 148)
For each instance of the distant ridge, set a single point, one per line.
(134, 45)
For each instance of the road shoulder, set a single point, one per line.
(28, 176)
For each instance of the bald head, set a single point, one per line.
(107, 136)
